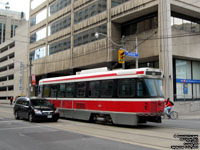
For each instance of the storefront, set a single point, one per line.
(187, 80)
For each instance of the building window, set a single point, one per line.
(36, 3)
(185, 23)
(140, 25)
(58, 5)
(38, 53)
(187, 80)
(59, 25)
(38, 17)
(1, 31)
(59, 46)
(38, 35)
(183, 69)
(89, 11)
(89, 36)
(118, 2)
(13, 30)
(4, 32)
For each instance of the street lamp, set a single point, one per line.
(97, 34)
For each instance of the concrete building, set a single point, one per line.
(13, 64)
(62, 39)
(9, 21)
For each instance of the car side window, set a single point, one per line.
(19, 101)
(26, 103)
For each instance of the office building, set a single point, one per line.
(13, 54)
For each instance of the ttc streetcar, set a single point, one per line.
(125, 97)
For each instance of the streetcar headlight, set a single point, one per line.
(38, 112)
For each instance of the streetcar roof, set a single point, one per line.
(114, 74)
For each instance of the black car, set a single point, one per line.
(34, 109)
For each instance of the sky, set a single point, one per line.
(17, 5)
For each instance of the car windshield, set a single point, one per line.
(41, 102)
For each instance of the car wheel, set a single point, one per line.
(55, 119)
(30, 118)
(16, 115)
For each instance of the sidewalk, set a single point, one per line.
(5, 102)
(186, 116)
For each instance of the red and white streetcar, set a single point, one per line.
(126, 97)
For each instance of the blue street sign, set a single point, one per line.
(132, 54)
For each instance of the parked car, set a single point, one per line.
(34, 109)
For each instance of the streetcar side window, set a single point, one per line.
(69, 90)
(61, 91)
(53, 90)
(46, 91)
(81, 89)
(126, 88)
(40, 90)
(141, 88)
(94, 89)
(107, 88)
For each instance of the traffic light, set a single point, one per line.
(121, 56)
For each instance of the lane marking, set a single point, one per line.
(19, 128)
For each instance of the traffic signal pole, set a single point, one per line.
(136, 47)
(123, 46)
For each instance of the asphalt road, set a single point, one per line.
(76, 135)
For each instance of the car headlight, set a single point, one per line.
(38, 112)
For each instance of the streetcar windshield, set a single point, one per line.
(154, 87)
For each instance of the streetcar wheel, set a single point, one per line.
(173, 115)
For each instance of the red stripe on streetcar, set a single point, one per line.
(86, 77)
(139, 72)
(114, 106)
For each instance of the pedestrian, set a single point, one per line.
(11, 100)
(168, 106)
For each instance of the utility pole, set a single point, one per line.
(136, 47)
(123, 42)
(30, 77)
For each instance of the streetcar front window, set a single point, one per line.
(154, 87)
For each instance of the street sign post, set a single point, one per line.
(185, 88)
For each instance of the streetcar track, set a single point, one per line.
(111, 138)
(142, 127)
(68, 125)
